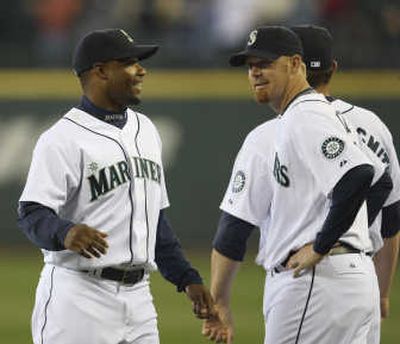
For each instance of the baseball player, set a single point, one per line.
(375, 136)
(94, 202)
(302, 179)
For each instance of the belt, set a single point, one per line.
(339, 248)
(118, 275)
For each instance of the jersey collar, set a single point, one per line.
(302, 93)
(116, 119)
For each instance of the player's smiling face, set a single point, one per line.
(125, 82)
(268, 79)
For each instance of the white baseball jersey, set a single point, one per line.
(284, 174)
(377, 139)
(111, 179)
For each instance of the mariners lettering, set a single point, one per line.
(108, 178)
(281, 172)
(374, 145)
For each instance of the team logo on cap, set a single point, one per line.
(315, 64)
(238, 182)
(252, 37)
(332, 147)
(129, 38)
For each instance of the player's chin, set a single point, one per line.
(134, 99)
(261, 97)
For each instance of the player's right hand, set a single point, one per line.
(219, 327)
(87, 241)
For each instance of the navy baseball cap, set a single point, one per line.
(317, 45)
(107, 45)
(269, 42)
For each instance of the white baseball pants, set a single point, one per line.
(335, 303)
(74, 308)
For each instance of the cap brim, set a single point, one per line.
(145, 51)
(139, 52)
(240, 58)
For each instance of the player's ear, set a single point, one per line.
(296, 63)
(100, 70)
(334, 66)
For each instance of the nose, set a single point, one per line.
(141, 70)
(254, 70)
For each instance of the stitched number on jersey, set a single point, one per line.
(238, 182)
(332, 147)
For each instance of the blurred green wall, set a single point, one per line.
(201, 136)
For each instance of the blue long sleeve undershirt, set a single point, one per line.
(47, 230)
(347, 196)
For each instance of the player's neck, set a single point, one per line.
(292, 91)
(323, 89)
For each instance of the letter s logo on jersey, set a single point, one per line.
(281, 173)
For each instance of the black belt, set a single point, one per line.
(122, 276)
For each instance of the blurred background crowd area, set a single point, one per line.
(195, 33)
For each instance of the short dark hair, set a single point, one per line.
(319, 77)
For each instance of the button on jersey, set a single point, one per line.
(111, 179)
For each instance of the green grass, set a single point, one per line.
(19, 271)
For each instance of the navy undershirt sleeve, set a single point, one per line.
(347, 197)
(231, 237)
(377, 195)
(390, 220)
(42, 226)
(170, 259)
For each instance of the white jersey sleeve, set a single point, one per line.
(248, 194)
(324, 145)
(53, 174)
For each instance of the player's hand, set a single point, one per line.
(219, 328)
(384, 307)
(303, 259)
(86, 241)
(203, 305)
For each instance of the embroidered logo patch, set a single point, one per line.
(332, 147)
(238, 182)
(252, 37)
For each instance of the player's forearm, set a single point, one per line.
(42, 226)
(347, 197)
(377, 195)
(385, 264)
(170, 259)
(223, 272)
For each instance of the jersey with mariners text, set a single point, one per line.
(111, 179)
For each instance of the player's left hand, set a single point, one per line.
(303, 259)
(203, 305)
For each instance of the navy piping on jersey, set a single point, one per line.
(306, 306)
(332, 99)
(130, 179)
(302, 93)
(46, 306)
(145, 191)
(348, 110)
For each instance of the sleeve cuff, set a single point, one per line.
(191, 276)
(63, 230)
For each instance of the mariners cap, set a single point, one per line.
(107, 45)
(269, 42)
(317, 45)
